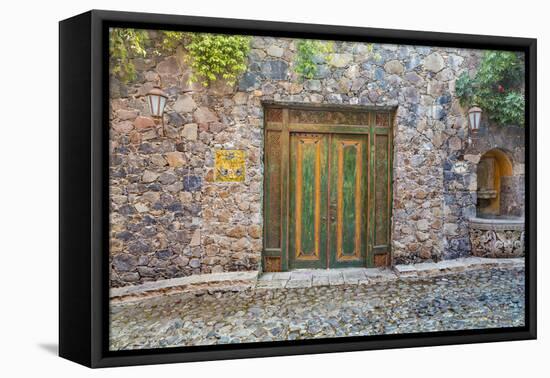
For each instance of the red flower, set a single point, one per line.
(500, 89)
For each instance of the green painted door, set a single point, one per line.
(328, 200)
(327, 188)
(308, 200)
(348, 201)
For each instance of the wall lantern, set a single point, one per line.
(156, 99)
(474, 118)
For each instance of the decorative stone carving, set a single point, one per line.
(497, 237)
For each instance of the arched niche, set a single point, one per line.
(493, 168)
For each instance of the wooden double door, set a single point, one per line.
(327, 189)
(328, 202)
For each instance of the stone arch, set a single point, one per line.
(494, 170)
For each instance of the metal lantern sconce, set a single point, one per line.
(474, 118)
(156, 99)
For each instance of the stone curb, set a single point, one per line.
(230, 281)
(366, 276)
(239, 281)
(455, 266)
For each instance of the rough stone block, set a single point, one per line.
(190, 131)
(394, 67)
(175, 159)
(405, 270)
(142, 123)
(204, 115)
(192, 183)
(336, 278)
(296, 283)
(320, 281)
(301, 275)
(184, 104)
(434, 62)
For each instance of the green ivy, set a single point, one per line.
(172, 39)
(125, 45)
(217, 56)
(497, 87)
(308, 54)
(211, 56)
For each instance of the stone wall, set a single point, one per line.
(460, 182)
(169, 218)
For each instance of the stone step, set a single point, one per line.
(304, 278)
(227, 281)
(455, 266)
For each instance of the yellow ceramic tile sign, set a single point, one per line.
(229, 165)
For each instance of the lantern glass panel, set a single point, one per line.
(162, 104)
(472, 120)
(156, 104)
(152, 103)
(475, 119)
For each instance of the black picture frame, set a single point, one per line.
(83, 180)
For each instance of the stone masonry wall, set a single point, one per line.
(170, 219)
(460, 182)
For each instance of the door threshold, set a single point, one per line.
(303, 278)
(349, 269)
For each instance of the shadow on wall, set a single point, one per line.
(498, 228)
(494, 178)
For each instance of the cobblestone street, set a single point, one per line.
(485, 298)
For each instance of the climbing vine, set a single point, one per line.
(308, 54)
(125, 45)
(214, 57)
(497, 87)
(172, 39)
(211, 56)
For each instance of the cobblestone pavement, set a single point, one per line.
(488, 298)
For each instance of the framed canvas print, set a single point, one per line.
(233, 188)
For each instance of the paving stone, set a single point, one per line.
(376, 272)
(426, 268)
(301, 275)
(336, 278)
(296, 283)
(271, 284)
(353, 277)
(321, 273)
(266, 277)
(281, 275)
(320, 281)
(450, 264)
(405, 270)
(472, 299)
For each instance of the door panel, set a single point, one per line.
(327, 188)
(308, 200)
(381, 194)
(348, 200)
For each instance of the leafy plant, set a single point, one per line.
(497, 87)
(308, 54)
(124, 45)
(211, 56)
(172, 39)
(217, 56)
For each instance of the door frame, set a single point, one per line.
(280, 120)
